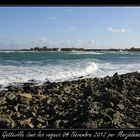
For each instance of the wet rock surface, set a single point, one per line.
(109, 102)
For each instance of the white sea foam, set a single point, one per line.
(5, 51)
(62, 70)
(15, 51)
(10, 74)
(90, 52)
(105, 69)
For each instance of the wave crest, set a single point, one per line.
(11, 74)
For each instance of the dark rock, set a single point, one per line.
(6, 122)
(72, 101)
(55, 124)
(83, 85)
(88, 90)
(110, 112)
(107, 118)
(80, 77)
(110, 102)
(27, 87)
(12, 88)
(76, 124)
(116, 76)
(107, 103)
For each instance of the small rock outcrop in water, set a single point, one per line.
(109, 102)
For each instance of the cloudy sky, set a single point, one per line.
(87, 27)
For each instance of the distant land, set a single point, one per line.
(45, 48)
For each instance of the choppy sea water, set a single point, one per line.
(21, 66)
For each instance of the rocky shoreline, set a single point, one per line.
(109, 102)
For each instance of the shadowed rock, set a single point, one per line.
(109, 102)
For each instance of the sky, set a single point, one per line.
(82, 27)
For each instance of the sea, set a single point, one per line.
(39, 67)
